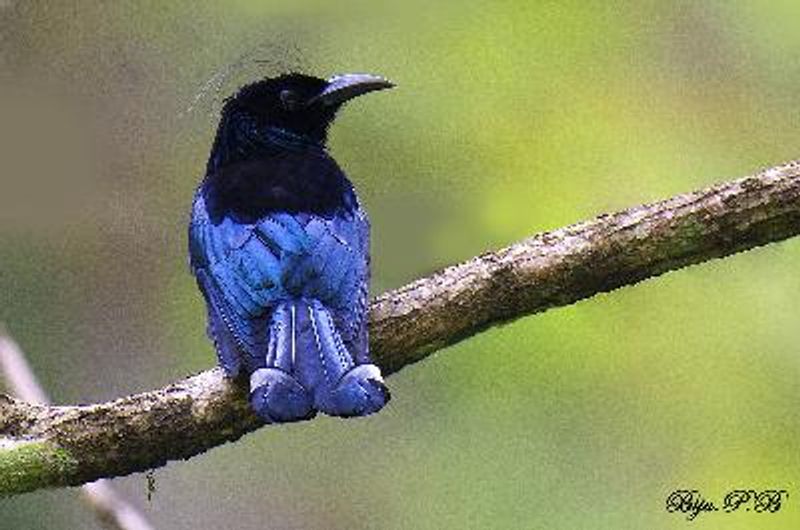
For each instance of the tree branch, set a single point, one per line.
(46, 446)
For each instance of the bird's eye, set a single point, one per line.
(289, 99)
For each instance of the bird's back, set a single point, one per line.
(257, 236)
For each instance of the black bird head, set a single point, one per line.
(300, 104)
(290, 113)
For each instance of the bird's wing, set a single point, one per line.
(334, 269)
(352, 316)
(244, 269)
(240, 279)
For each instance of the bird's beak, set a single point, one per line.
(342, 88)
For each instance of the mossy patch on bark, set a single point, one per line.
(30, 465)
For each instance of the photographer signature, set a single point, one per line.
(692, 504)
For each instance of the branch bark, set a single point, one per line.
(47, 446)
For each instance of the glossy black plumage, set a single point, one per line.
(280, 249)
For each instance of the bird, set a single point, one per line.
(279, 247)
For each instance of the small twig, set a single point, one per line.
(111, 509)
(18, 373)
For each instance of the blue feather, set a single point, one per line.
(280, 249)
(307, 369)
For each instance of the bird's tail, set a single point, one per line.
(308, 368)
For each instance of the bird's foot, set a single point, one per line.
(277, 397)
(359, 392)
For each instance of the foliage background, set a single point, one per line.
(511, 117)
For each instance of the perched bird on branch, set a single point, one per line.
(279, 246)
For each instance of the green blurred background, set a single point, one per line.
(511, 117)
